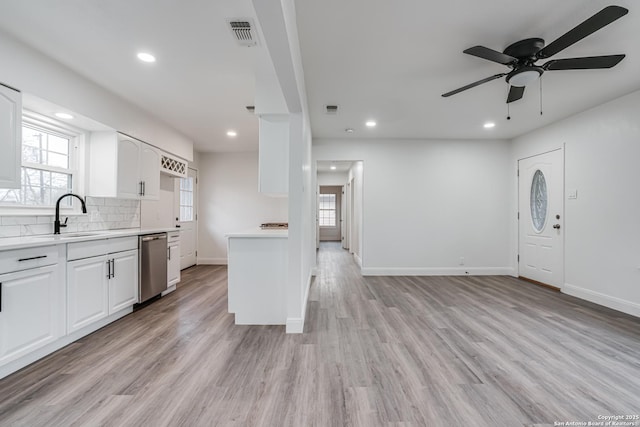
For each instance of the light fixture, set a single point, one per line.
(332, 167)
(524, 76)
(489, 125)
(349, 130)
(66, 116)
(146, 57)
(232, 133)
(371, 123)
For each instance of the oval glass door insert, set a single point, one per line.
(538, 201)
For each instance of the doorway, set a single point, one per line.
(541, 218)
(187, 203)
(330, 213)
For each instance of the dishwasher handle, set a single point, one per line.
(156, 237)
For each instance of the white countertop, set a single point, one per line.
(8, 243)
(258, 232)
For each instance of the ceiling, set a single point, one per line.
(391, 61)
(388, 61)
(202, 79)
(325, 166)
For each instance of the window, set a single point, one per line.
(186, 199)
(327, 210)
(538, 201)
(48, 166)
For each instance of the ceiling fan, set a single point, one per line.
(522, 56)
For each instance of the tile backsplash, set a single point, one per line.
(102, 214)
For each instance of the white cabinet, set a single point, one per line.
(123, 285)
(123, 167)
(173, 264)
(102, 279)
(273, 154)
(10, 137)
(88, 292)
(32, 306)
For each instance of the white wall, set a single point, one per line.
(332, 178)
(160, 213)
(427, 203)
(230, 202)
(32, 72)
(601, 226)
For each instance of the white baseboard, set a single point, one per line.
(295, 325)
(437, 271)
(212, 261)
(615, 303)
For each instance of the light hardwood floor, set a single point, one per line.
(377, 351)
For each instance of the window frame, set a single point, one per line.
(334, 210)
(77, 139)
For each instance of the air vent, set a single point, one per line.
(251, 108)
(243, 31)
(331, 109)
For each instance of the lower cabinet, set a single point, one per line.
(103, 283)
(31, 311)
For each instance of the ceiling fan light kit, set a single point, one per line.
(522, 55)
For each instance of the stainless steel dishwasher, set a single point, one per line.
(153, 265)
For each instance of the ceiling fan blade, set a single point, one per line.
(601, 19)
(585, 63)
(490, 55)
(515, 93)
(474, 84)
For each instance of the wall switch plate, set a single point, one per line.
(461, 260)
(572, 194)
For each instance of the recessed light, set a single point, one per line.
(232, 133)
(64, 116)
(371, 123)
(489, 125)
(349, 130)
(146, 57)
(333, 167)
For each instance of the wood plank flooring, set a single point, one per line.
(377, 351)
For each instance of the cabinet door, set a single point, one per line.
(150, 172)
(173, 265)
(128, 169)
(31, 311)
(10, 137)
(123, 286)
(88, 291)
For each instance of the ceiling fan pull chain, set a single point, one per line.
(540, 95)
(508, 112)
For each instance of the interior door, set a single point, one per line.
(187, 217)
(329, 212)
(541, 218)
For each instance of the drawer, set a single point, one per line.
(23, 259)
(173, 237)
(88, 249)
(121, 244)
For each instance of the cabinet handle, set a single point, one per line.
(113, 268)
(169, 253)
(144, 188)
(33, 257)
(108, 269)
(140, 192)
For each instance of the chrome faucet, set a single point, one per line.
(56, 223)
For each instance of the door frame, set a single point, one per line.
(564, 214)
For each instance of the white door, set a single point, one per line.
(88, 291)
(187, 217)
(123, 286)
(541, 218)
(150, 172)
(31, 312)
(129, 183)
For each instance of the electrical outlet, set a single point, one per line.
(461, 260)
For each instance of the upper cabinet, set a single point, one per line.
(10, 137)
(273, 154)
(123, 167)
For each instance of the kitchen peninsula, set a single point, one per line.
(257, 276)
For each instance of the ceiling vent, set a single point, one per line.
(243, 31)
(331, 109)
